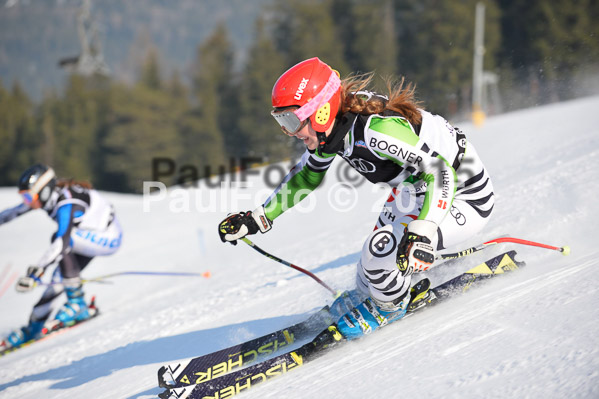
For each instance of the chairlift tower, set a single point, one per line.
(485, 88)
(91, 59)
(478, 115)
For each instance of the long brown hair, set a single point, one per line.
(401, 97)
(62, 183)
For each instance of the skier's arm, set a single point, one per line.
(441, 184)
(14, 212)
(62, 239)
(58, 248)
(304, 178)
(301, 181)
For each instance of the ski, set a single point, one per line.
(213, 365)
(54, 328)
(244, 379)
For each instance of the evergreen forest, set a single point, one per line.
(214, 116)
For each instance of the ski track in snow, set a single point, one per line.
(530, 334)
(475, 324)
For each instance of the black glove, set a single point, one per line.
(238, 225)
(34, 275)
(415, 252)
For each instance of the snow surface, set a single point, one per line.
(530, 334)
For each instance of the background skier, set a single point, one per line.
(388, 139)
(87, 227)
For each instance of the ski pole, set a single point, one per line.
(101, 279)
(268, 255)
(8, 282)
(565, 250)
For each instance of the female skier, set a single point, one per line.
(87, 227)
(386, 138)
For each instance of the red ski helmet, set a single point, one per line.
(313, 86)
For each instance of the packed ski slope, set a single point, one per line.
(530, 334)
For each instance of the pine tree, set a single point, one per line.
(548, 45)
(150, 74)
(7, 137)
(437, 39)
(373, 40)
(263, 67)
(214, 90)
(20, 144)
(142, 126)
(75, 128)
(307, 28)
(47, 127)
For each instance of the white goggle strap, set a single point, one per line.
(42, 181)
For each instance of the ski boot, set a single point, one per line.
(24, 334)
(421, 295)
(370, 315)
(326, 339)
(75, 309)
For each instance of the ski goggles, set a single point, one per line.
(288, 120)
(28, 197)
(293, 120)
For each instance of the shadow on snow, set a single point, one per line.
(162, 350)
